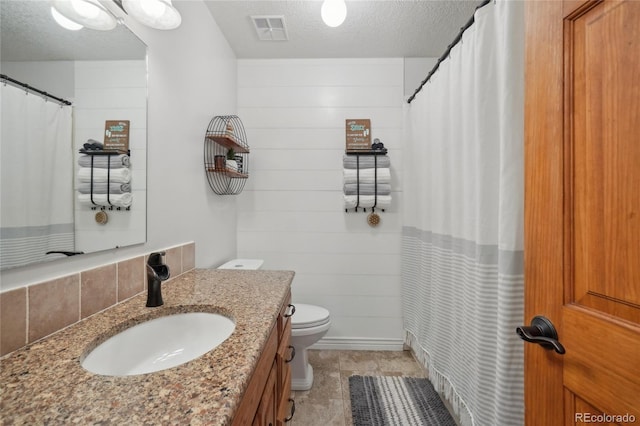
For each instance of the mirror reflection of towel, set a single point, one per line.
(101, 188)
(122, 175)
(93, 145)
(104, 161)
(116, 200)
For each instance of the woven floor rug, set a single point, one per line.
(396, 401)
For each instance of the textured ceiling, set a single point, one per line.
(383, 28)
(29, 33)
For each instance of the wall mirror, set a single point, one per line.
(49, 202)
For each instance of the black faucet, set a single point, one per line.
(157, 271)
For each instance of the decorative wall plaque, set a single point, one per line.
(358, 134)
(116, 135)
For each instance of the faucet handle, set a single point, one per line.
(156, 258)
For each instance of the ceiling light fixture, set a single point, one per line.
(158, 14)
(333, 12)
(88, 13)
(65, 23)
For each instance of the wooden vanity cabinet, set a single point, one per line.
(267, 400)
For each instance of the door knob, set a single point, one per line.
(542, 332)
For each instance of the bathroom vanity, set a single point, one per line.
(244, 381)
(267, 399)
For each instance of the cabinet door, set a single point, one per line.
(286, 406)
(266, 413)
(284, 356)
(252, 397)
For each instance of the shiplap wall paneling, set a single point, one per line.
(291, 212)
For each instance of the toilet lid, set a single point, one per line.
(307, 316)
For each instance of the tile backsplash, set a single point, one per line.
(31, 313)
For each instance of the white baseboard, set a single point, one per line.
(359, 344)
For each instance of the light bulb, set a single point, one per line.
(159, 14)
(65, 22)
(85, 8)
(88, 13)
(333, 12)
(153, 8)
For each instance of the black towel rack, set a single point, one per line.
(357, 154)
(109, 154)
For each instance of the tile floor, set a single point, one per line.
(328, 403)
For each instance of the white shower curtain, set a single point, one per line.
(36, 160)
(463, 277)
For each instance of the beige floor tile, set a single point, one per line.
(399, 363)
(358, 360)
(320, 413)
(328, 402)
(326, 386)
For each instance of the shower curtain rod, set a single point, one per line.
(25, 86)
(445, 55)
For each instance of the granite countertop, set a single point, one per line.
(44, 382)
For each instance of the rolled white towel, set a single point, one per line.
(367, 175)
(365, 161)
(104, 161)
(116, 200)
(383, 201)
(101, 188)
(367, 189)
(122, 175)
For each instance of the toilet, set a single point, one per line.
(309, 324)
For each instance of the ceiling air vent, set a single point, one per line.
(270, 28)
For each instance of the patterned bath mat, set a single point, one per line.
(396, 401)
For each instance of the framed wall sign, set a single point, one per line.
(116, 135)
(358, 134)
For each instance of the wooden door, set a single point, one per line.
(582, 210)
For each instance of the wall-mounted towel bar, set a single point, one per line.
(367, 180)
(108, 179)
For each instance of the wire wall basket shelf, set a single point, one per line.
(226, 155)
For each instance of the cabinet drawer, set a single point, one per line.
(285, 315)
(285, 355)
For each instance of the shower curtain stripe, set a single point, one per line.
(462, 239)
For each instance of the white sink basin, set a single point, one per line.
(159, 344)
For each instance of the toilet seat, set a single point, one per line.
(309, 316)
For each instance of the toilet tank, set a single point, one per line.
(242, 264)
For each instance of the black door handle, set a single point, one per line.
(542, 332)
